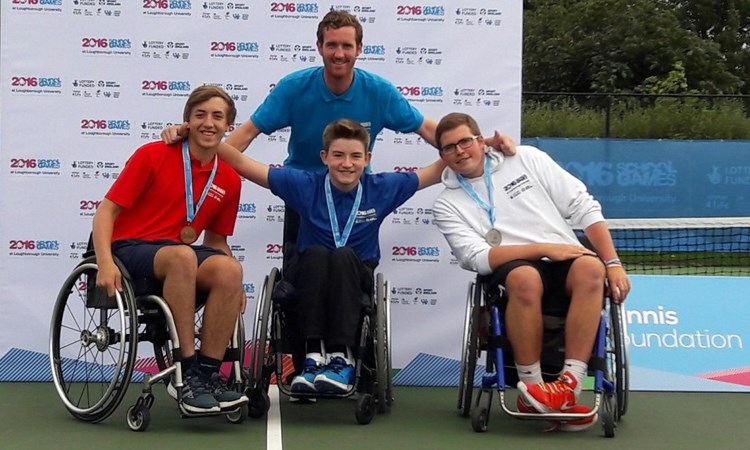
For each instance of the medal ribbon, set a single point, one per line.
(192, 208)
(338, 237)
(490, 208)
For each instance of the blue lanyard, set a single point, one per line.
(192, 209)
(490, 208)
(339, 238)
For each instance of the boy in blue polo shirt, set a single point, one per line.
(337, 249)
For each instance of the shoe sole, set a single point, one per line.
(574, 427)
(234, 404)
(328, 386)
(187, 409)
(304, 387)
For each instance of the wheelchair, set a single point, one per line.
(94, 341)
(273, 344)
(483, 332)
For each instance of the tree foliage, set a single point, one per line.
(636, 45)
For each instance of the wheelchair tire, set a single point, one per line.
(259, 404)
(480, 413)
(609, 414)
(621, 367)
(92, 347)
(365, 409)
(382, 346)
(469, 350)
(138, 418)
(260, 339)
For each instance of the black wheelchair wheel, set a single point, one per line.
(259, 346)
(382, 346)
(93, 343)
(470, 349)
(622, 371)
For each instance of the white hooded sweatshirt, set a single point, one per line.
(536, 201)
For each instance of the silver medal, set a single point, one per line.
(494, 237)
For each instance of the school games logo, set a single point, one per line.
(87, 207)
(292, 53)
(293, 11)
(414, 254)
(165, 88)
(413, 296)
(33, 248)
(94, 170)
(422, 94)
(249, 289)
(470, 97)
(420, 13)
(36, 5)
(165, 50)
(99, 127)
(418, 56)
(22, 84)
(34, 166)
(274, 252)
(235, 11)
(247, 211)
(166, 8)
(373, 53)
(103, 89)
(234, 49)
(97, 8)
(106, 46)
(487, 17)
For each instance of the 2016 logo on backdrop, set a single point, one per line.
(415, 254)
(247, 211)
(98, 127)
(165, 88)
(420, 13)
(87, 207)
(104, 89)
(293, 11)
(29, 84)
(34, 166)
(36, 5)
(33, 247)
(106, 46)
(422, 94)
(168, 8)
(234, 49)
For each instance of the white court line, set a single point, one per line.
(273, 422)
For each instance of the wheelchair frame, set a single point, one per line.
(372, 378)
(106, 334)
(608, 365)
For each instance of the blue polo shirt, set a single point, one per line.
(302, 100)
(304, 191)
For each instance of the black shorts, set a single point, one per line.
(138, 255)
(555, 300)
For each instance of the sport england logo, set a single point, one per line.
(483, 17)
(224, 11)
(165, 50)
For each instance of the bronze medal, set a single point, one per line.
(188, 234)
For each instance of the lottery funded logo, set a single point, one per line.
(410, 215)
(415, 254)
(234, 49)
(97, 8)
(419, 56)
(422, 94)
(34, 166)
(413, 296)
(77, 249)
(104, 89)
(472, 16)
(36, 6)
(32, 84)
(33, 248)
(247, 211)
(275, 213)
(106, 46)
(294, 11)
(160, 88)
(292, 53)
(235, 11)
(471, 97)
(165, 50)
(167, 8)
(414, 13)
(94, 170)
(150, 130)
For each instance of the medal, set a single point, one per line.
(494, 237)
(339, 237)
(188, 234)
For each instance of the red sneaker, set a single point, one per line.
(550, 397)
(580, 424)
(523, 407)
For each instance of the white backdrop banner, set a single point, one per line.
(86, 82)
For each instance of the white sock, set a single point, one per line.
(531, 374)
(578, 370)
(340, 355)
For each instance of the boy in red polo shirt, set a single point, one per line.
(165, 197)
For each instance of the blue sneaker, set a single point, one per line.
(336, 378)
(305, 382)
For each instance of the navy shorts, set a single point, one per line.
(555, 300)
(138, 255)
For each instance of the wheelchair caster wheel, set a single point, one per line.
(480, 413)
(138, 418)
(259, 404)
(238, 415)
(365, 409)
